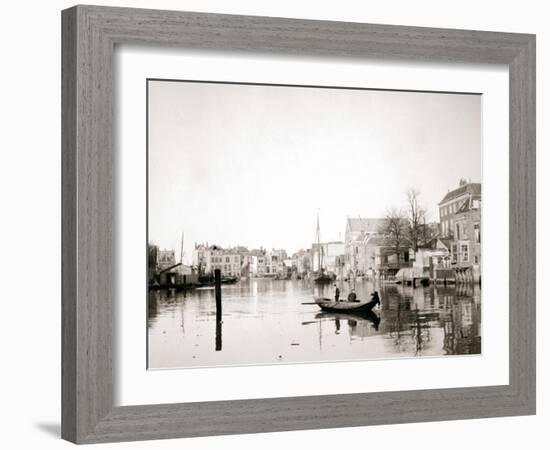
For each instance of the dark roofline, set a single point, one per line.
(472, 188)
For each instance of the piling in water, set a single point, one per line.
(219, 336)
(218, 290)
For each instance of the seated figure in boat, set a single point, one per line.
(352, 297)
(375, 298)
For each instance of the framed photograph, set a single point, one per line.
(278, 224)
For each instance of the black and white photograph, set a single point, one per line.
(275, 225)
(296, 224)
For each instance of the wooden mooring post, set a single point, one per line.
(218, 293)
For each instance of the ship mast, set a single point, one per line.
(181, 251)
(318, 238)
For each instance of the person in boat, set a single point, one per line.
(336, 294)
(375, 298)
(352, 297)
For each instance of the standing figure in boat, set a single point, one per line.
(336, 294)
(375, 299)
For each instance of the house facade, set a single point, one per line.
(257, 265)
(466, 246)
(301, 262)
(275, 262)
(460, 213)
(208, 258)
(452, 202)
(387, 262)
(227, 261)
(358, 246)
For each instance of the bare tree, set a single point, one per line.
(416, 219)
(429, 232)
(395, 231)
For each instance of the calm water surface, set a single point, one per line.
(270, 321)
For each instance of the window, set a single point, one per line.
(454, 253)
(477, 234)
(476, 259)
(227, 259)
(457, 226)
(464, 249)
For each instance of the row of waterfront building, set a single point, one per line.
(452, 247)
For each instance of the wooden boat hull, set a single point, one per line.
(327, 304)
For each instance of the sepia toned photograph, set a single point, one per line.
(298, 224)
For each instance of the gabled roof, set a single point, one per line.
(366, 225)
(376, 241)
(446, 242)
(239, 249)
(469, 188)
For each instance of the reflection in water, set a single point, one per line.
(272, 321)
(218, 335)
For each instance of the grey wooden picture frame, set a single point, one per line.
(89, 36)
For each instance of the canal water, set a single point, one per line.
(273, 321)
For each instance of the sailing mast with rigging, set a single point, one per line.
(321, 277)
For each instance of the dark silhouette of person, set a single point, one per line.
(352, 297)
(375, 298)
(336, 293)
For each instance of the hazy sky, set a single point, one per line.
(251, 165)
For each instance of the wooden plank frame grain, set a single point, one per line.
(89, 35)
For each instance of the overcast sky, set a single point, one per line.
(251, 165)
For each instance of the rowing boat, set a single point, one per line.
(327, 304)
